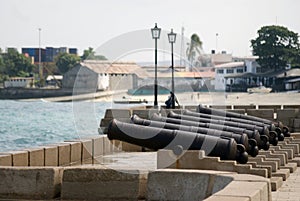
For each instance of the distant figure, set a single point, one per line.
(169, 101)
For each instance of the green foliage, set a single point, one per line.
(276, 47)
(13, 63)
(90, 55)
(194, 46)
(65, 62)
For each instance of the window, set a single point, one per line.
(245, 69)
(229, 71)
(220, 71)
(239, 70)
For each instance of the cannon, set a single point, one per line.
(249, 144)
(273, 137)
(158, 138)
(262, 140)
(262, 130)
(280, 128)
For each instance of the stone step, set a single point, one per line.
(276, 183)
(284, 173)
(291, 166)
(295, 160)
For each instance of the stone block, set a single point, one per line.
(5, 159)
(255, 190)
(291, 106)
(245, 107)
(87, 149)
(98, 146)
(30, 183)
(295, 160)
(144, 113)
(107, 145)
(64, 154)
(51, 155)
(36, 157)
(276, 183)
(197, 185)
(286, 115)
(20, 158)
(96, 183)
(291, 166)
(274, 107)
(76, 152)
(262, 113)
(117, 113)
(127, 147)
(105, 122)
(284, 173)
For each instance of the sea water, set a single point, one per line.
(37, 123)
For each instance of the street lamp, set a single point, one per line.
(40, 56)
(172, 39)
(155, 35)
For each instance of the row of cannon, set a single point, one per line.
(228, 135)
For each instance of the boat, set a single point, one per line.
(130, 101)
(259, 89)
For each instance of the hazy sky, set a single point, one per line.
(91, 23)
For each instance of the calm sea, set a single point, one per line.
(31, 124)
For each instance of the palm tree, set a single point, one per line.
(194, 46)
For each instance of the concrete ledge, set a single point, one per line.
(20, 158)
(170, 184)
(5, 159)
(276, 183)
(36, 157)
(30, 183)
(97, 183)
(208, 185)
(51, 155)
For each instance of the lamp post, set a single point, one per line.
(172, 39)
(155, 35)
(40, 56)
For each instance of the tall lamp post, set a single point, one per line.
(40, 56)
(155, 35)
(172, 39)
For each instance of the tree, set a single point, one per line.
(194, 47)
(91, 55)
(276, 47)
(16, 64)
(65, 62)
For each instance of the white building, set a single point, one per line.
(19, 82)
(94, 75)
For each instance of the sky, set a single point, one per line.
(224, 25)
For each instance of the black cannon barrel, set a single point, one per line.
(273, 137)
(261, 130)
(271, 127)
(279, 125)
(158, 138)
(249, 144)
(262, 140)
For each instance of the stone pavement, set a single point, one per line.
(290, 190)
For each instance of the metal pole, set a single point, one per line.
(40, 68)
(155, 78)
(173, 90)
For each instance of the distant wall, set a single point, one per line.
(22, 93)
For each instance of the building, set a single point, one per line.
(48, 54)
(34, 53)
(19, 82)
(289, 80)
(95, 75)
